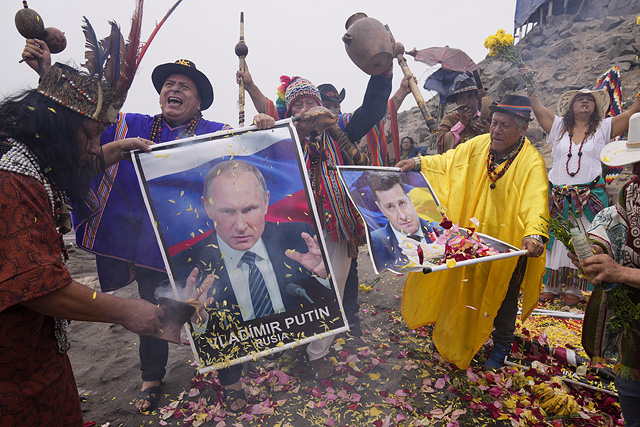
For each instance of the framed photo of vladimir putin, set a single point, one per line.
(236, 222)
(406, 230)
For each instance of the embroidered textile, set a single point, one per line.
(36, 380)
(112, 221)
(617, 229)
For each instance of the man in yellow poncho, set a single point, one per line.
(500, 179)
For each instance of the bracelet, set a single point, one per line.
(396, 100)
(266, 105)
(537, 237)
(416, 163)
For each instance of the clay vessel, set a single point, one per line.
(29, 23)
(176, 314)
(55, 39)
(368, 44)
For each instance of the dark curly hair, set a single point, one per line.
(51, 133)
(569, 118)
(409, 138)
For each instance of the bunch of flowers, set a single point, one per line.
(626, 312)
(501, 45)
(560, 227)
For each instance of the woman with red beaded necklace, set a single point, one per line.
(577, 133)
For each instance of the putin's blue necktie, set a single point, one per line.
(262, 305)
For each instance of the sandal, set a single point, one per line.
(235, 396)
(571, 300)
(322, 369)
(546, 296)
(151, 395)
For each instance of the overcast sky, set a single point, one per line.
(293, 38)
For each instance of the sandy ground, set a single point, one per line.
(391, 376)
(106, 362)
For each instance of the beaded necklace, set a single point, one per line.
(189, 130)
(584, 139)
(15, 157)
(492, 165)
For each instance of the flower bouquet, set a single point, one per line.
(626, 312)
(501, 45)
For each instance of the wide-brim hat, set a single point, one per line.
(514, 105)
(601, 97)
(462, 83)
(330, 93)
(186, 68)
(620, 153)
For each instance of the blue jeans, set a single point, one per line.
(350, 298)
(629, 397)
(505, 322)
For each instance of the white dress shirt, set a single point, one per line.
(401, 237)
(238, 272)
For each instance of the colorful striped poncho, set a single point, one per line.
(112, 221)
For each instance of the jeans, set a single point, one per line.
(230, 375)
(629, 397)
(505, 322)
(350, 299)
(154, 352)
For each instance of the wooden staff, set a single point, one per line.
(241, 50)
(399, 54)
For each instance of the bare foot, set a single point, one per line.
(145, 399)
(235, 398)
(322, 369)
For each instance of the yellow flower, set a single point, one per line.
(499, 42)
(638, 21)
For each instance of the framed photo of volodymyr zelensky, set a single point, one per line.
(242, 242)
(406, 230)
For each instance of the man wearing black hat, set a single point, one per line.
(501, 180)
(118, 229)
(466, 121)
(125, 245)
(331, 99)
(113, 222)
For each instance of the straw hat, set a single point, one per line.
(620, 153)
(601, 96)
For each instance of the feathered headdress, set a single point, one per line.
(112, 65)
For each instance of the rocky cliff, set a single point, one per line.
(565, 54)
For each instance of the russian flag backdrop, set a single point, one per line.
(174, 182)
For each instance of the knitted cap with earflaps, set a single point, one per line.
(293, 89)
